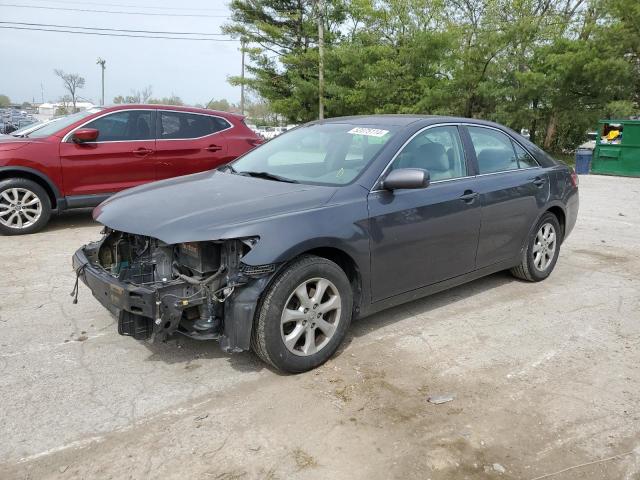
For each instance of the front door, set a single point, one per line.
(121, 157)
(189, 143)
(421, 237)
(513, 188)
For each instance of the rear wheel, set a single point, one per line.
(304, 315)
(25, 207)
(541, 254)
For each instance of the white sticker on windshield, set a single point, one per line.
(369, 132)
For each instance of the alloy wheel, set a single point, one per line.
(310, 316)
(544, 247)
(19, 208)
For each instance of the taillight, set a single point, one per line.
(574, 178)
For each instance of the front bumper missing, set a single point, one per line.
(154, 313)
(140, 311)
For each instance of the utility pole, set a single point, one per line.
(243, 44)
(42, 91)
(102, 62)
(320, 5)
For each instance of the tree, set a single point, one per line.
(283, 67)
(260, 112)
(223, 105)
(137, 96)
(4, 101)
(551, 66)
(65, 106)
(172, 100)
(72, 83)
(145, 94)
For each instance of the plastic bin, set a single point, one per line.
(583, 161)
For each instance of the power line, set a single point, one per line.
(110, 29)
(134, 6)
(117, 35)
(113, 11)
(123, 5)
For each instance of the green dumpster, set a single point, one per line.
(617, 149)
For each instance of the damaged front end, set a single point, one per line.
(202, 289)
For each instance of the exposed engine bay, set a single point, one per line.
(157, 289)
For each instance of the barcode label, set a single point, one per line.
(369, 132)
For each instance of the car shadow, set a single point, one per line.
(71, 219)
(417, 308)
(181, 349)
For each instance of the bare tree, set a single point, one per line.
(146, 94)
(72, 82)
(64, 107)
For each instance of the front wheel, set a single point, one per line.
(541, 254)
(24, 206)
(303, 316)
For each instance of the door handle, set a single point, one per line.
(538, 181)
(469, 196)
(213, 148)
(142, 151)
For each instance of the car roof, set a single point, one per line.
(179, 108)
(402, 120)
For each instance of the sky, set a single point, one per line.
(196, 71)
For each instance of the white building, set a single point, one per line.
(48, 110)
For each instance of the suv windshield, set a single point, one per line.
(323, 154)
(53, 127)
(32, 127)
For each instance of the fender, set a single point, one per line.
(551, 204)
(58, 198)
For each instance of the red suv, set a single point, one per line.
(80, 160)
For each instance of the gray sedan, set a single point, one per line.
(278, 251)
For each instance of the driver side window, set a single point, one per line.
(437, 150)
(125, 125)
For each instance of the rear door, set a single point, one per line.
(189, 143)
(424, 236)
(513, 189)
(120, 158)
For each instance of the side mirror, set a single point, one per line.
(406, 178)
(85, 135)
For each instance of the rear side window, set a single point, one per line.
(524, 159)
(496, 152)
(182, 125)
(124, 125)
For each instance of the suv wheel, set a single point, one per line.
(24, 206)
(303, 316)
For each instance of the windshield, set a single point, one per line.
(323, 154)
(53, 127)
(31, 127)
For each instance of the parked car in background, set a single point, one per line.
(32, 127)
(270, 133)
(80, 160)
(346, 217)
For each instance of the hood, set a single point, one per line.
(9, 142)
(205, 206)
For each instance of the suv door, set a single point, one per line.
(189, 143)
(513, 188)
(421, 237)
(120, 158)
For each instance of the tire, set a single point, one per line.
(24, 220)
(305, 322)
(540, 256)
